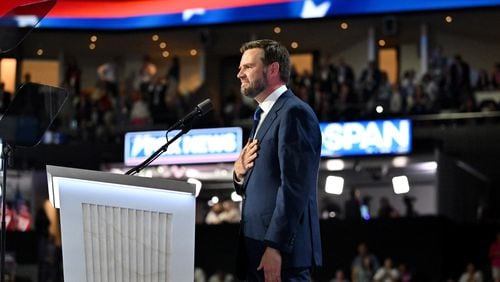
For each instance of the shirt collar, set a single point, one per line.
(268, 103)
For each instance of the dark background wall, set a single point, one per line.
(434, 248)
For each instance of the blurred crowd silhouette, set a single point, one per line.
(147, 98)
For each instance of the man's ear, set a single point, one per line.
(275, 69)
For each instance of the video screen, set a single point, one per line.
(363, 138)
(128, 14)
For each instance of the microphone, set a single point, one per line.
(200, 110)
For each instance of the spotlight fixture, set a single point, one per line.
(334, 185)
(400, 184)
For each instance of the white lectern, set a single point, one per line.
(123, 228)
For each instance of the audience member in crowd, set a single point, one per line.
(410, 209)
(173, 77)
(199, 275)
(345, 74)
(363, 272)
(230, 212)
(157, 101)
(386, 273)
(396, 103)
(235, 108)
(370, 81)
(72, 76)
(437, 62)
(494, 256)
(495, 77)
(419, 102)
(384, 92)
(407, 87)
(459, 81)
(339, 276)
(386, 210)
(345, 107)
(468, 105)
(176, 107)
(483, 81)
(108, 74)
(364, 254)
(5, 98)
(146, 75)
(404, 273)
(139, 114)
(213, 216)
(326, 78)
(471, 274)
(221, 276)
(352, 207)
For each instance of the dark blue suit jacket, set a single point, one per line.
(280, 205)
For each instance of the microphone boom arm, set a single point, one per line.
(185, 124)
(158, 152)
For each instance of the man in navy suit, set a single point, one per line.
(276, 172)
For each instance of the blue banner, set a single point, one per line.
(197, 146)
(366, 138)
(292, 9)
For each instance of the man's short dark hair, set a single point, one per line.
(273, 52)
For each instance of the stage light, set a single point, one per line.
(400, 184)
(335, 165)
(277, 29)
(193, 52)
(163, 45)
(294, 45)
(381, 43)
(93, 38)
(165, 54)
(155, 37)
(448, 19)
(379, 109)
(344, 26)
(39, 52)
(92, 46)
(334, 185)
(432, 166)
(400, 161)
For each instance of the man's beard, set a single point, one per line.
(255, 87)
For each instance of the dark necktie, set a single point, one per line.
(256, 119)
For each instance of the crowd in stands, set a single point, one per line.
(225, 212)
(143, 99)
(335, 93)
(333, 89)
(147, 98)
(366, 267)
(449, 85)
(358, 208)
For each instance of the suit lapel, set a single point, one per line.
(272, 115)
(266, 124)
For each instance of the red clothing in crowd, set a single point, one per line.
(494, 254)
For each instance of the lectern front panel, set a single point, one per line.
(126, 244)
(116, 232)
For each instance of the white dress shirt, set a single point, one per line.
(268, 103)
